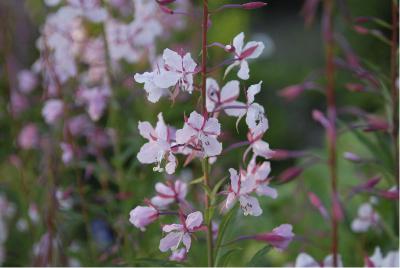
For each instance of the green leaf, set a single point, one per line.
(206, 189)
(216, 188)
(224, 259)
(198, 180)
(258, 259)
(222, 229)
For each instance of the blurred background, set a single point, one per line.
(89, 226)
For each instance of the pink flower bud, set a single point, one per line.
(316, 202)
(320, 117)
(28, 137)
(290, 93)
(290, 174)
(360, 29)
(352, 157)
(142, 216)
(376, 123)
(355, 87)
(280, 237)
(253, 5)
(281, 154)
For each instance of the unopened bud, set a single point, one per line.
(352, 157)
(254, 5)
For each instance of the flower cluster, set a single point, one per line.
(174, 73)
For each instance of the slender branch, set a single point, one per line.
(393, 78)
(210, 246)
(331, 112)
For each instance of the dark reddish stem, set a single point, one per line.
(331, 112)
(210, 245)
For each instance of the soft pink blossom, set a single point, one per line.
(178, 255)
(52, 110)
(224, 98)
(177, 71)
(178, 233)
(250, 50)
(280, 237)
(199, 134)
(305, 260)
(240, 189)
(366, 217)
(27, 81)
(159, 145)
(142, 216)
(378, 260)
(28, 138)
(96, 100)
(169, 193)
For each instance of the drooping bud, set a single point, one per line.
(376, 123)
(316, 202)
(253, 5)
(280, 237)
(352, 157)
(289, 174)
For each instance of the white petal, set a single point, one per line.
(149, 153)
(230, 91)
(238, 42)
(171, 240)
(211, 146)
(187, 241)
(212, 126)
(188, 63)
(234, 180)
(244, 70)
(145, 130)
(194, 220)
(161, 202)
(236, 112)
(257, 52)
(267, 191)
(172, 59)
(166, 79)
(172, 227)
(305, 260)
(252, 91)
(164, 189)
(250, 205)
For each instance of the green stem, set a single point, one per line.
(210, 246)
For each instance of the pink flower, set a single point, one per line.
(367, 217)
(224, 98)
(159, 146)
(177, 70)
(242, 53)
(27, 81)
(377, 260)
(259, 173)
(258, 146)
(240, 189)
(169, 193)
(200, 135)
(178, 233)
(52, 110)
(96, 101)
(178, 255)
(67, 152)
(28, 138)
(280, 237)
(305, 260)
(154, 93)
(142, 216)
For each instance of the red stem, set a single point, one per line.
(331, 112)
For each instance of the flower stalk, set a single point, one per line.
(210, 245)
(331, 113)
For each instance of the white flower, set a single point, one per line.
(390, 260)
(243, 52)
(177, 70)
(154, 93)
(169, 193)
(240, 189)
(52, 110)
(366, 218)
(224, 98)
(200, 135)
(142, 216)
(305, 260)
(159, 146)
(181, 232)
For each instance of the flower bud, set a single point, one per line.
(280, 237)
(142, 216)
(290, 174)
(253, 5)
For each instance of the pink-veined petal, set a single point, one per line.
(234, 180)
(145, 130)
(172, 59)
(212, 126)
(172, 227)
(238, 43)
(194, 220)
(259, 47)
(149, 153)
(170, 241)
(230, 91)
(252, 91)
(187, 241)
